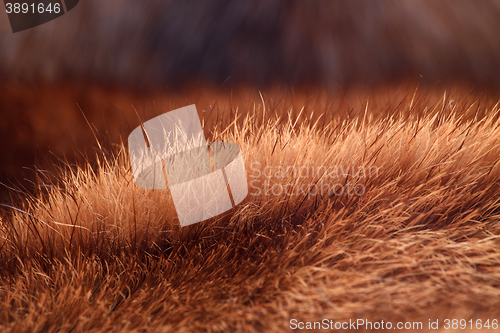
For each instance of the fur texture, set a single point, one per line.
(95, 253)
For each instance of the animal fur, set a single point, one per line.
(146, 44)
(83, 249)
(95, 253)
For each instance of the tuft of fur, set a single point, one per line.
(95, 253)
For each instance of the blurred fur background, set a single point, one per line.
(127, 42)
(105, 56)
(408, 86)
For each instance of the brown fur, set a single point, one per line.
(154, 43)
(95, 253)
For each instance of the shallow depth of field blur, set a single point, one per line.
(409, 89)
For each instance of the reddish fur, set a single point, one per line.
(98, 254)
